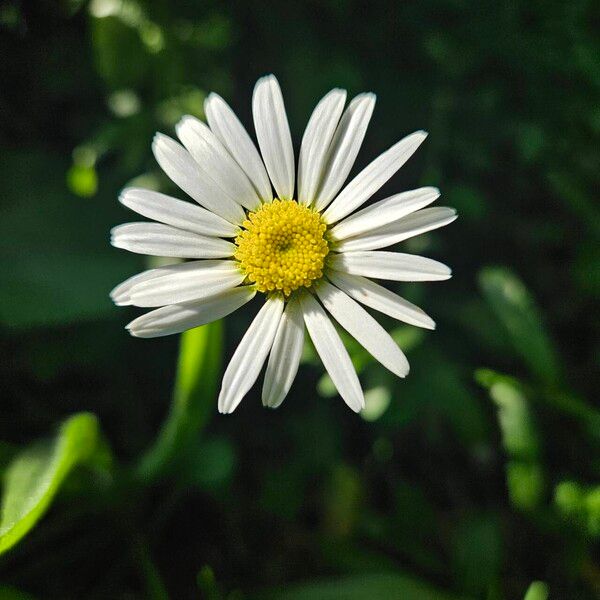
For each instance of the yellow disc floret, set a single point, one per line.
(282, 246)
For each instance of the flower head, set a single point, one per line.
(307, 253)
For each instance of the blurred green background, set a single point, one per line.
(476, 477)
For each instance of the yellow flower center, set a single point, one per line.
(282, 246)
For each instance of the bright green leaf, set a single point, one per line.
(194, 399)
(525, 482)
(82, 180)
(35, 476)
(580, 505)
(538, 590)
(519, 432)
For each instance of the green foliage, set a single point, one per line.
(538, 590)
(376, 587)
(445, 488)
(579, 504)
(514, 307)
(35, 476)
(196, 381)
(61, 267)
(11, 593)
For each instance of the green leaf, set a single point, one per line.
(515, 309)
(199, 363)
(82, 180)
(526, 484)
(61, 263)
(119, 52)
(210, 463)
(374, 587)
(35, 476)
(538, 590)
(519, 432)
(580, 505)
(10, 593)
(477, 553)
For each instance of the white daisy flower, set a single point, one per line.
(307, 254)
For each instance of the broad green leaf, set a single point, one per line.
(382, 586)
(514, 307)
(35, 476)
(198, 368)
(538, 590)
(61, 263)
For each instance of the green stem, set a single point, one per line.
(198, 368)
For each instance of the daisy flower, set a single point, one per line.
(298, 242)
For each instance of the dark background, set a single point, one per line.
(476, 475)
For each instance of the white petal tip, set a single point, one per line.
(158, 140)
(120, 300)
(264, 79)
(184, 122)
(226, 407)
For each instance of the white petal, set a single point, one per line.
(315, 144)
(332, 352)
(227, 127)
(183, 170)
(285, 355)
(176, 318)
(187, 282)
(273, 134)
(384, 212)
(215, 163)
(379, 298)
(372, 177)
(411, 226)
(344, 148)
(250, 355)
(157, 239)
(390, 265)
(120, 293)
(363, 327)
(178, 213)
